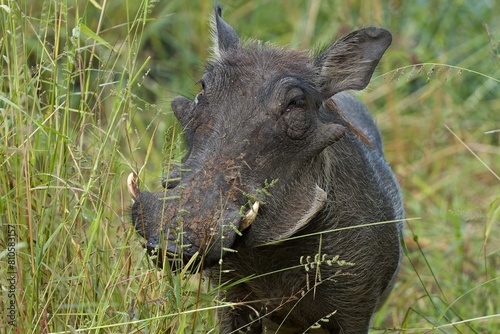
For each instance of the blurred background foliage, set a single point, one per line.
(85, 93)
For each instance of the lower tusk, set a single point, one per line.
(249, 216)
(133, 189)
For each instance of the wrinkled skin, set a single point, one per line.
(268, 114)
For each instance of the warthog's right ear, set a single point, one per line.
(349, 63)
(225, 38)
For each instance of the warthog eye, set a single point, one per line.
(297, 102)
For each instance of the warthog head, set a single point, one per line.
(256, 122)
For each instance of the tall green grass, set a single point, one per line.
(84, 100)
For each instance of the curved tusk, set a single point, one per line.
(133, 189)
(249, 216)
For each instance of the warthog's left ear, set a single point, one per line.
(224, 35)
(349, 63)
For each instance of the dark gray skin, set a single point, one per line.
(267, 113)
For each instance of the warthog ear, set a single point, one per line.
(349, 63)
(225, 38)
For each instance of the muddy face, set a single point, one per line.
(256, 120)
(261, 128)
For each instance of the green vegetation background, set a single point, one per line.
(85, 88)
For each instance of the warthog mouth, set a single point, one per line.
(147, 216)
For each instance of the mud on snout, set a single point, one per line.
(183, 225)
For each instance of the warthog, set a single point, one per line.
(285, 192)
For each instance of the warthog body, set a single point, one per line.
(285, 189)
